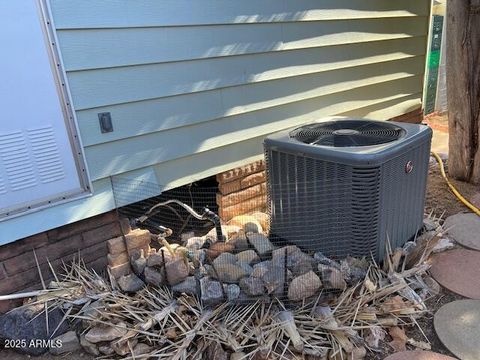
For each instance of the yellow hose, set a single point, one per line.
(455, 191)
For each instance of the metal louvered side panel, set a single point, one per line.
(403, 195)
(310, 202)
(365, 211)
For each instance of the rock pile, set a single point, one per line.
(244, 267)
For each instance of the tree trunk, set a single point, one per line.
(463, 89)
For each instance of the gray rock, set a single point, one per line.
(138, 262)
(429, 224)
(457, 324)
(285, 251)
(304, 286)
(211, 291)
(351, 272)
(248, 256)
(332, 278)
(197, 257)
(295, 259)
(322, 259)
(154, 277)
(253, 227)
(260, 269)
(247, 268)
(141, 349)
(206, 270)
(187, 286)
(130, 283)
(228, 232)
(29, 323)
(90, 348)
(252, 286)
(177, 270)
(224, 258)
(229, 273)
(300, 267)
(239, 241)
(106, 350)
(195, 243)
(232, 291)
(186, 235)
(261, 243)
(464, 229)
(155, 259)
(103, 333)
(65, 343)
(274, 280)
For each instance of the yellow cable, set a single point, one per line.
(455, 191)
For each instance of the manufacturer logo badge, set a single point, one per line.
(409, 167)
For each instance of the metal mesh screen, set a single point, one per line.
(286, 253)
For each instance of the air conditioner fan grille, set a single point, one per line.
(344, 133)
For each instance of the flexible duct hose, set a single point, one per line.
(454, 190)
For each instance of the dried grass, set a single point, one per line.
(180, 327)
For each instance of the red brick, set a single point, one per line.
(415, 116)
(101, 233)
(230, 187)
(253, 179)
(20, 246)
(137, 238)
(26, 261)
(3, 273)
(30, 278)
(254, 204)
(116, 245)
(66, 248)
(120, 270)
(81, 226)
(242, 195)
(125, 225)
(20, 281)
(241, 171)
(117, 259)
(99, 265)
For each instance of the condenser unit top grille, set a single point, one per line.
(348, 133)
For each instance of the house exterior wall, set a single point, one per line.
(18, 268)
(193, 87)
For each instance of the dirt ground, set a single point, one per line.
(439, 197)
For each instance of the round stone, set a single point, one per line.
(457, 325)
(458, 270)
(418, 355)
(464, 229)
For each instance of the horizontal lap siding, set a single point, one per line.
(187, 82)
(141, 13)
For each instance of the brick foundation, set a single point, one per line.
(18, 268)
(242, 190)
(414, 117)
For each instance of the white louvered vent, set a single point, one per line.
(16, 161)
(46, 155)
(3, 189)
